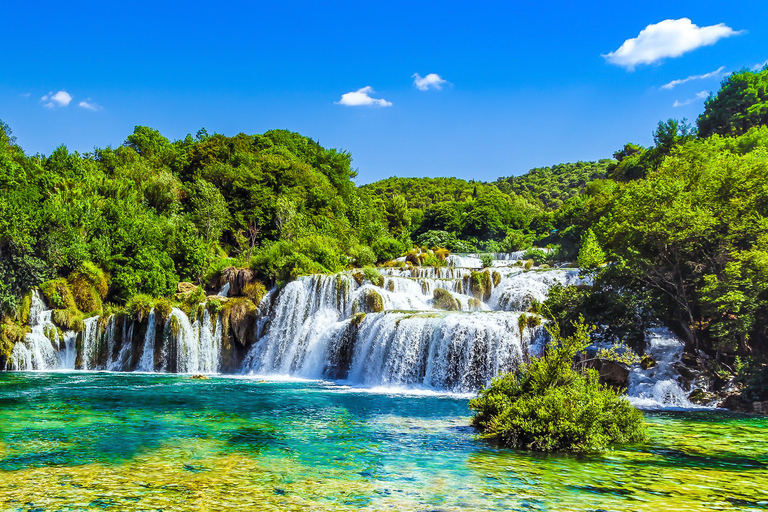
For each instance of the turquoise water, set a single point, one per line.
(87, 441)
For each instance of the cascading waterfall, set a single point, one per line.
(192, 348)
(405, 341)
(39, 350)
(90, 343)
(656, 386)
(147, 361)
(344, 327)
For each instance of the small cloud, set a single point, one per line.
(59, 99)
(362, 98)
(25, 95)
(711, 74)
(90, 105)
(668, 38)
(432, 80)
(699, 96)
(759, 67)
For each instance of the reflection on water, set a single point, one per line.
(150, 442)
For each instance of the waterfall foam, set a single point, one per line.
(39, 350)
(656, 387)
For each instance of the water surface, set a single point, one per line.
(109, 441)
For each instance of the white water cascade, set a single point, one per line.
(403, 339)
(192, 348)
(39, 350)
(147, 361)
(657, 387)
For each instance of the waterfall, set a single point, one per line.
(39, 350)
(90, 343)
(410, 343)
(191, 348)
(122, 362)
(657, 387)
(147, 361)
(342, 328)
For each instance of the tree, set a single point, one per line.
(591, 255)
(209, 209)
(551, 404)
(398, 217)
(740, 104)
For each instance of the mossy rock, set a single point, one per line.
(255, 291)
(370, 301)
(528, 264)
(358, 277)
(413, 258)
(68, 319)
(238, 317)
(700, 397)
(89, 286)
(480, 284)
(24, 309)
(443, 299)
(647, 362)
(474, 304)
(57, 294)
(139, 306)
(357, 319)
(10, 334)
(496, 278)
(442, 254)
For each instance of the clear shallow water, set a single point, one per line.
(80, 441)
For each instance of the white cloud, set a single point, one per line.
(668, 38)
(432, 80)
(59, 99)
(25, 94)
(711, 74)
(90, 105)
(699, 96)
(361, 98)
(759, 67)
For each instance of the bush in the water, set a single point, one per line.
(550, 405)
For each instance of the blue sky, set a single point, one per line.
(527, 84)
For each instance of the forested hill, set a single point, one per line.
(553, 186)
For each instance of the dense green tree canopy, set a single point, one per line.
(740, 104)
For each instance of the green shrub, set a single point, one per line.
(255, 291)
(536, 255)
(214, 306)
(387, 249)
(372, 275)
(139, 306)
(549, 405)
(591, 255)
(362, 256)
(528, 264)
(486, 260)
(432, 260)
(284, 260)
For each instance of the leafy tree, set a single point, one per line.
(551, 404)
(740, 104)
(591, 256)
(208, 209)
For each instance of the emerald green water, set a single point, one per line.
(79, 441)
